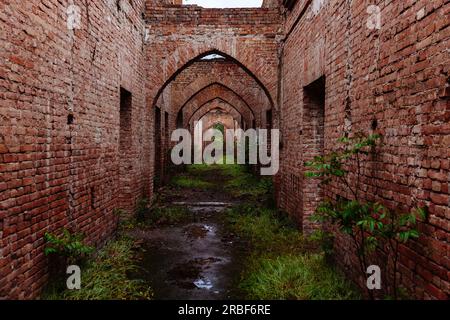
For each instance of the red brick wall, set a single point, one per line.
(397, 78)
(177, 35)
(218, 79)
(54, 174)
(61, 160)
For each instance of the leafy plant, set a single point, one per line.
(283, 264)
(325, 240)
(370, 225)
(388, 230)
(67, 245)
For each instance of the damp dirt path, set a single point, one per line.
(198, 259)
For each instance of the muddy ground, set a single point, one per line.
(199, 258)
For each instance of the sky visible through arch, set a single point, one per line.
(225, 3)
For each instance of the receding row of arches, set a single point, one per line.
(213, 88)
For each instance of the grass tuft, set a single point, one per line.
(284, 264)
(296, 277)
(169, 215)
(190, 182)
(266, 229)
(105, 277)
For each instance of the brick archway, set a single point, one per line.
(178, 62)
(210, 93)
(217, 116)
(217, 104)
(205, 73)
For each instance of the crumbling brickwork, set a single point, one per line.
(90, 92)
(386, 73)
(60, 126)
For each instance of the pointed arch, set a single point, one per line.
(210, 93)
(186, 62)
(203, 110)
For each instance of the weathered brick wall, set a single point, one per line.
(70, 154)
(394, 81)
(178, 35)
(207, 75)
(59, 129)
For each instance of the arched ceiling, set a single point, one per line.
(209, 94)
(203, 73)
(216, 105)
(183, 57)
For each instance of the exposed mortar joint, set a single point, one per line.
(349, 72)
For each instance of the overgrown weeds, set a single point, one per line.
(105, 277)
(168, 215)
(190, 182)
(284, 264)
(295, 277)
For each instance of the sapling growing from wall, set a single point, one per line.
(370, 225)
(68, 245)
(63, 249)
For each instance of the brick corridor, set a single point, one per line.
(90, 93)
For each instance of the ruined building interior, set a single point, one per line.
(87, 112)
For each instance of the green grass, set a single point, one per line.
(266, 229)
(296, 277)
(249, 186)
(190, 182)
(168, 215)
(284, 264)
(240, 182)
(105, 277)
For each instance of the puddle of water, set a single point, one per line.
(196, 232)
(210, 229)
(192, 261)
(204, 284)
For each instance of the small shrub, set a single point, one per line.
(142, 209)
(370, 225)
(325, 241)
(67, 245)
